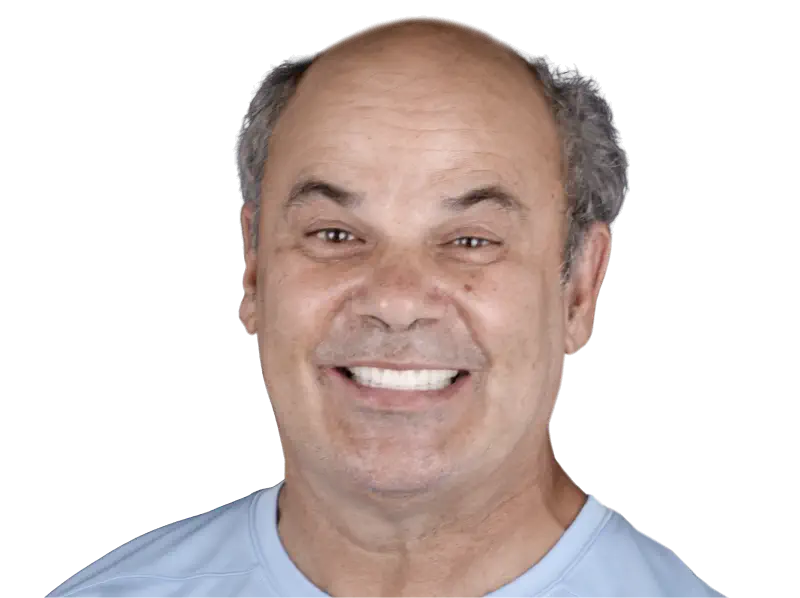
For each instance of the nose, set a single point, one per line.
(400, 294)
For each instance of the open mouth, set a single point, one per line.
(402, 393)
(346, 372)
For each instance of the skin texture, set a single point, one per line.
(462, 497)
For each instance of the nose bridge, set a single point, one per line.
(401, 291)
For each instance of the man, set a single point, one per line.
(426, 230)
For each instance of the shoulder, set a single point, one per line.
(207, 554)
(621, 561)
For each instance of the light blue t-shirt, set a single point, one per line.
(235, 550)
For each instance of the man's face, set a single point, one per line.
(371, 266)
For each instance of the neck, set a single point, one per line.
(465, 540)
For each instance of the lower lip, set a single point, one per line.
(396, 400)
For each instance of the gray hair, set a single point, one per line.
(595, 166)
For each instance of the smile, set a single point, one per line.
(394, 390)
(408, 380)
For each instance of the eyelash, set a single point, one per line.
(323, 235)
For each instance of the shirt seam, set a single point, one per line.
(261, 561)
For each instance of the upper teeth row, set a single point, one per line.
(403, 379)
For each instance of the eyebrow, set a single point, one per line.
(304, 190)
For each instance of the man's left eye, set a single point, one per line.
(472, 242)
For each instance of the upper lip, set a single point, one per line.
(386, 365)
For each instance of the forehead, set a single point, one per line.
(419, 119)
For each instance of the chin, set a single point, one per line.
(397, 483)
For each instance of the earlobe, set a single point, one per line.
(575, 333)
(247, 313)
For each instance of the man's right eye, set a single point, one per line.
(334, 235)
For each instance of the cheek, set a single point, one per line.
(281, 313)
(519, 317)
(513, 312)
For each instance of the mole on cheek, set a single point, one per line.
(468, 288)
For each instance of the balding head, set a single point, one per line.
(433, 57)
(427, 43)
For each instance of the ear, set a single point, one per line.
(247, 311)
(580, 297)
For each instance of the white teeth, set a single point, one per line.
(403, 379)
